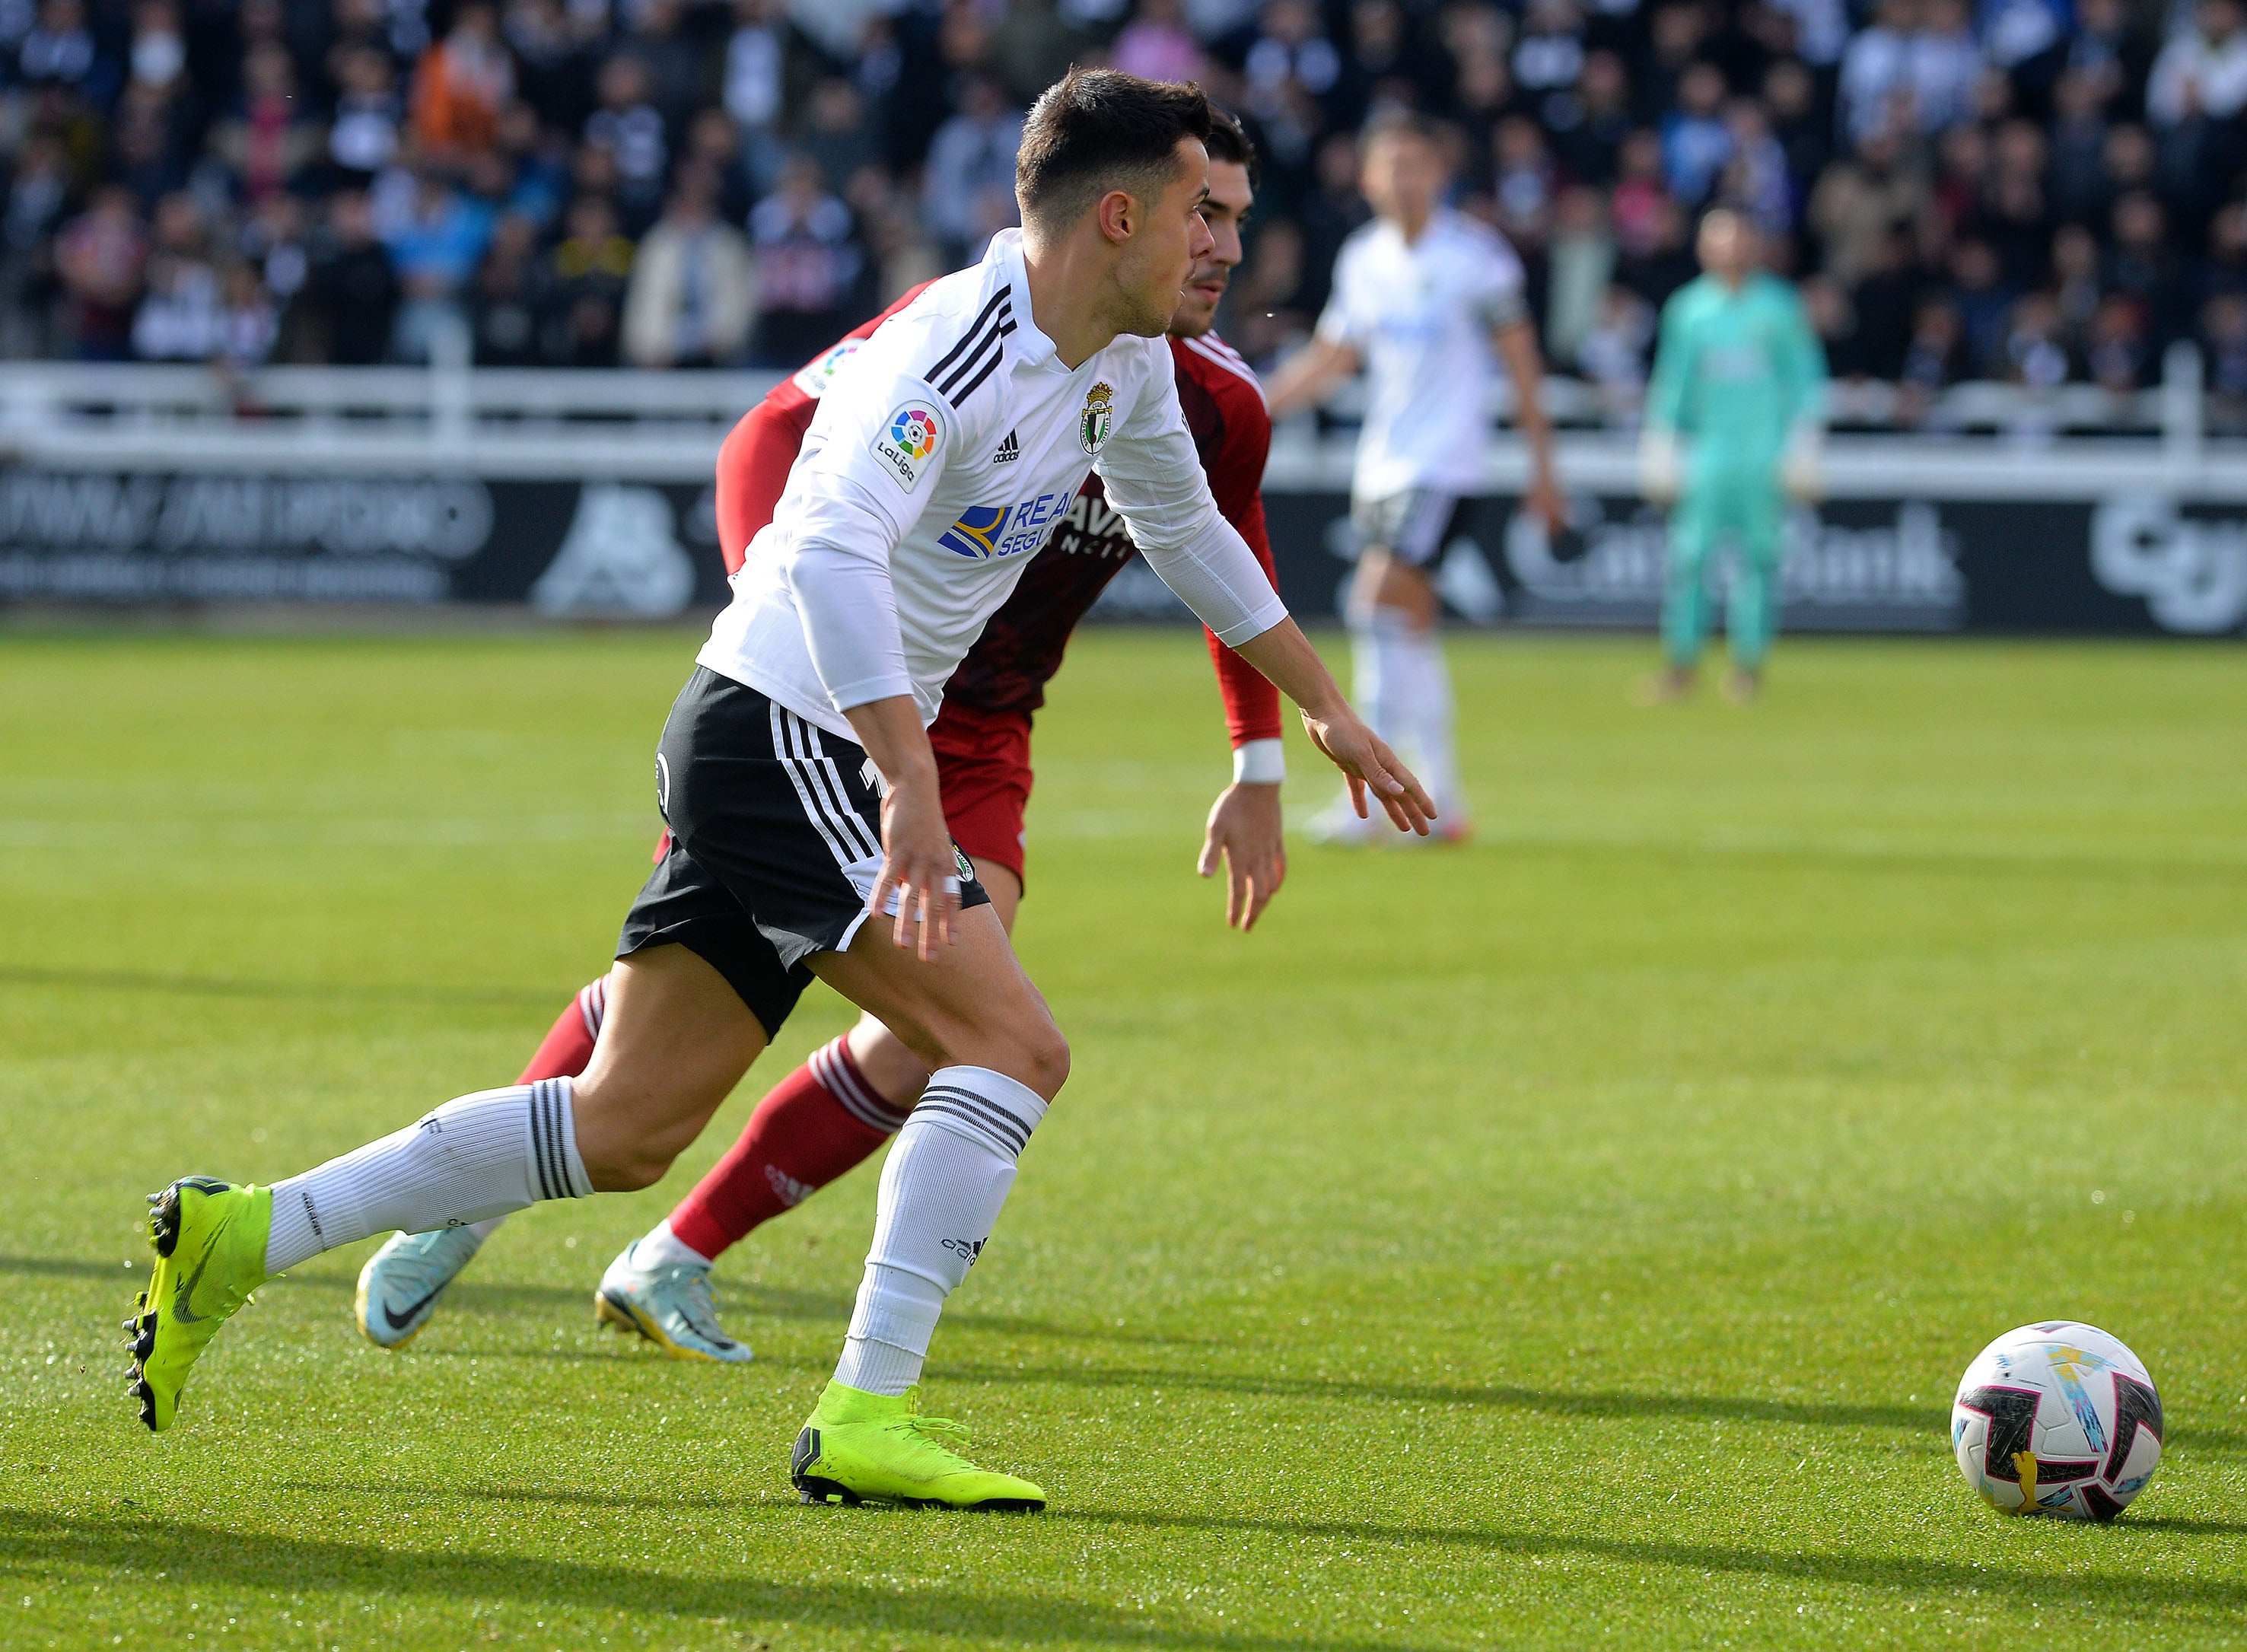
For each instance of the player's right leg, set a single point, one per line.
(1684, 596)
(677, 1039)
(1402, 684)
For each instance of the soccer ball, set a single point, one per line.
(2059, 1419)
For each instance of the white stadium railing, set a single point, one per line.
(1973, 439)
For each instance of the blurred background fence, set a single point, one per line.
(2072, 507)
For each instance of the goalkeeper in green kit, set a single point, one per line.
(1740, 375)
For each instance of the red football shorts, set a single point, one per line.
(983, 765)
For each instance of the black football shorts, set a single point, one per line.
(775, 843)
(1413, 526)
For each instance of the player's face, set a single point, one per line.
(1402, 176)
(1170, 240)
(1225, 211)
(1727, 247)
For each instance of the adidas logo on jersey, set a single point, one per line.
(1009, 451)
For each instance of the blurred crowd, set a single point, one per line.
(2026, 190)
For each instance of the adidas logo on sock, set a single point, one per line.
(1009, 451)
(790, 1192)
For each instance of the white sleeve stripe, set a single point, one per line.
(1227, 360)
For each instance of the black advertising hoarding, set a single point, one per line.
(2133, 562)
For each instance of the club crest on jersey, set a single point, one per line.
(908, 441)
(814, 378)
(1092, 424)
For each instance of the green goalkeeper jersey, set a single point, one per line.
(1737, 370)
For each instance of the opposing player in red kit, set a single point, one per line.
(854, 1094)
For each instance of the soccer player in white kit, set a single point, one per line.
(797, 776)
(1426, 300)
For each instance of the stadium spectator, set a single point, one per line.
(101, 255)
(2093, 151)
(809, 266)
(968, 195)
(692, 295)
(583, 296)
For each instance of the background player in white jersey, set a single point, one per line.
(1423, 297)
(797, 776)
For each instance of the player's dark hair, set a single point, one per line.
(1228, 140)
(1395, 121)
(1095, 130)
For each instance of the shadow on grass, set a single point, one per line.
(249, 1561)
(437, 996)
(192, 1554)
(1553, 1403)
(2134, 1593)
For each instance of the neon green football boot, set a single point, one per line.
(210, 1255)
(858, 1447)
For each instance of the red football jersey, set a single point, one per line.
(1022, 646)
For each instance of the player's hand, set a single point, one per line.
(1546, 501)
(1800, 474)
(920, 865)
(1657, 467)
(1244, 832)
(1371, 769)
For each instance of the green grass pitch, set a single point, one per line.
(1571, 1237)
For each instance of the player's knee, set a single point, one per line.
(1043, 1059)
(626, 1169)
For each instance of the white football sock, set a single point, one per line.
(941, 1190)
(486, 1228)
(476, 1157)
(1429, 747)
(659, 1248)
(1381, 672)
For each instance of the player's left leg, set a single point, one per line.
(1752, 615)
(403, 1283)
(678, 1037)
(997, 1059)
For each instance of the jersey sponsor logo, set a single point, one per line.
(814, 377)
(1009, 450)
(986, 532)
(1092, 527)
(908, 441)
(1099, 413)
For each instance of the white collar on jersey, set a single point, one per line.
(1030, 347)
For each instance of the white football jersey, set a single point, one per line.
(944, 452)
(1421, 314)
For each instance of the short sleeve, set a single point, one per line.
(1344, 321)
(1500, 298)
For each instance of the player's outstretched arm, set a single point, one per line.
(1285, 656)
(918, 860)
(1524, 365)
(1244, 836)
(1305, 377)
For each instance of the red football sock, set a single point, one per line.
(812, 1126)
(570, 1041)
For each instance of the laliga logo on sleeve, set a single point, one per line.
(813, 379)
(907, 441)
(1092, 423)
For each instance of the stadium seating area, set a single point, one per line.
(2036, 191)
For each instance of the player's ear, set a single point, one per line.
(1118, 214)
